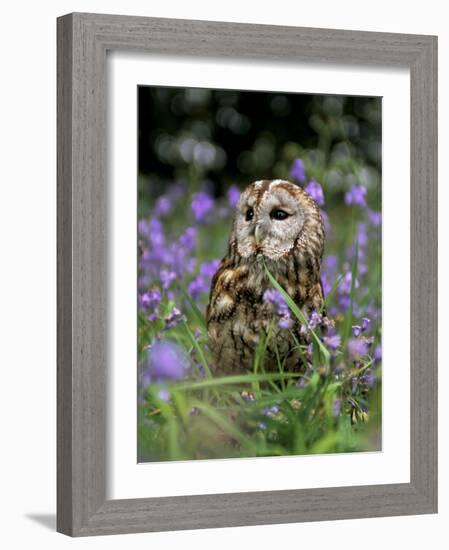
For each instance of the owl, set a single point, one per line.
(277, 226)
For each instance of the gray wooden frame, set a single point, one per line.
(83, 40)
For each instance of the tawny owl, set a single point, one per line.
(277, 225)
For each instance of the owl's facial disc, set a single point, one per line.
(268, 223)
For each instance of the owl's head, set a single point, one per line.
(276, 218)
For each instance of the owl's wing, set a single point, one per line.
(216, 287)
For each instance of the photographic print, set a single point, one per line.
(259, 274)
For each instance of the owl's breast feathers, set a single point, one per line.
(237, 314)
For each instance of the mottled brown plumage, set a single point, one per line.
(290, 244)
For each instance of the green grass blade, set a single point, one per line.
(235, 380)
(198, 349)
(298, 314)
(331, 292)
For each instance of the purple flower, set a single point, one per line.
(357, 348)
(208, 269)
(202, 204)
(326, 221)
(344, 302)
(167, 277)
(272, 296)
(362, 235)
(314, 319)
(346, 283)
(357, 330)
(356, 195)
(150, 299)
(199, 285)
(378, 354)
(163, 206)
(368, 377)
(330, 265)
(375, 218)
(165, 361)
(174, 318)
(285, 322)
(326, 284)
(233, 195)
(365, 323)
(155, 232)
(332, 342)
(188, 239)
(314, 189)
(297, 170)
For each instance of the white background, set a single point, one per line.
(27, 287)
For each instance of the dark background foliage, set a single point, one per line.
(231, 136)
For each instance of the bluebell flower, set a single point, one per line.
(274, 297)
(365, 323)
(356, 195)
(165, 361)
(378, 353)
(150, 299)
(198, 286)
(297, 170)
(332, 342)
(368, 377)
(357, 348)
(167, 277)
(208, 269)
(314, 189)
(163, 206)
(233, 195)
(188, 239)
(202, 204)
(375, 218)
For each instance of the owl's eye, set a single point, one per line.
(249, 214)
(278, 214)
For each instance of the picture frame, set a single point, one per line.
(83, 40)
